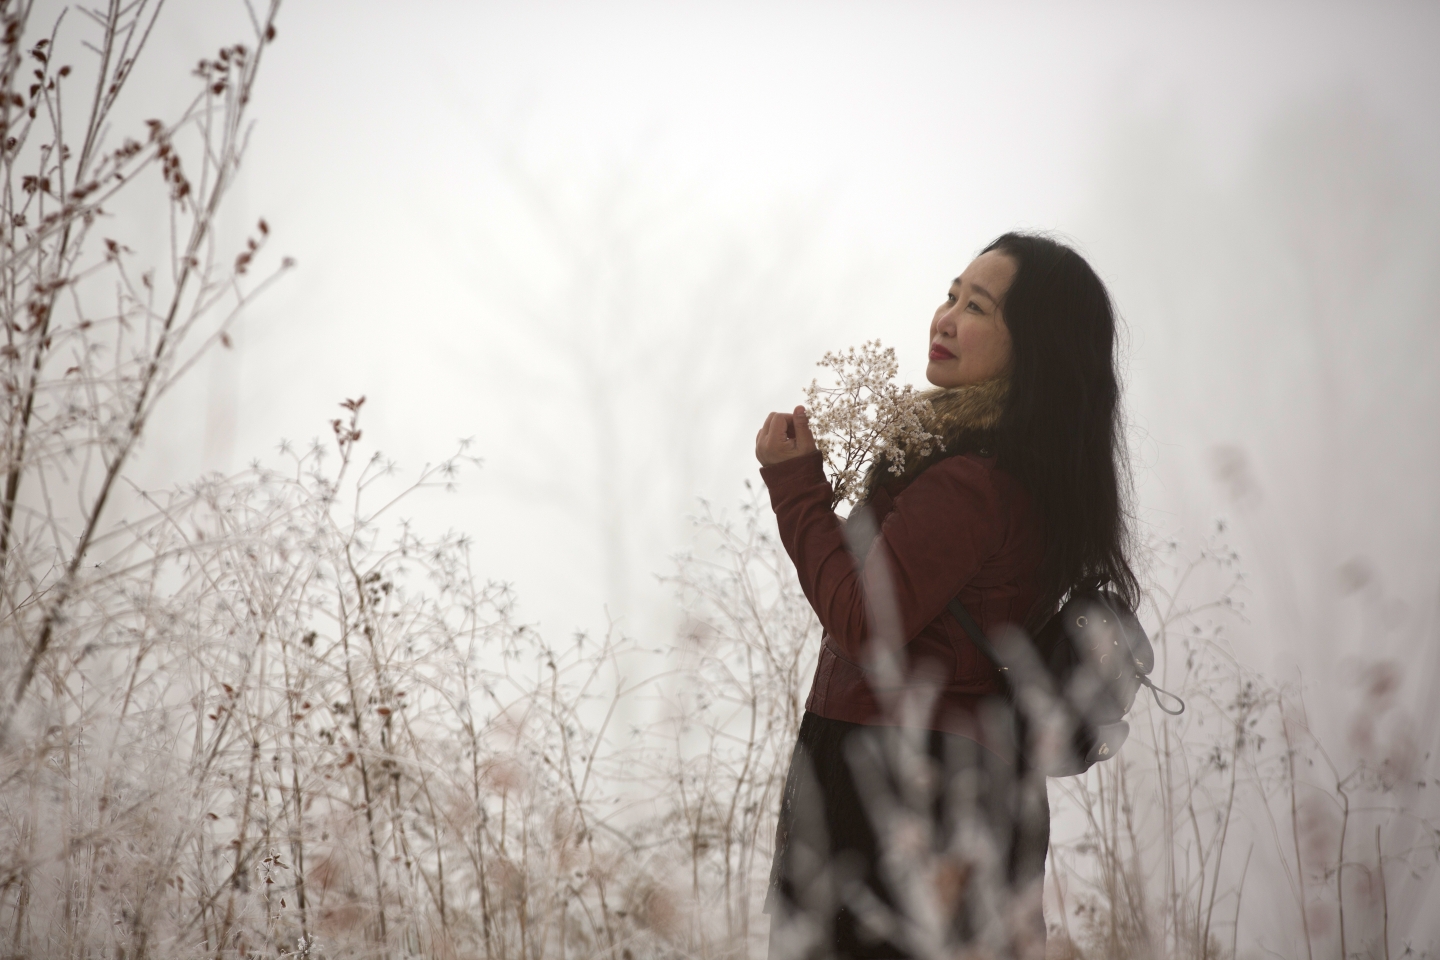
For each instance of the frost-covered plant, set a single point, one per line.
(749, 641)
(865, 416)
(97, 332)
(1155, 854)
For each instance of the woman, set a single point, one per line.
(909, 824)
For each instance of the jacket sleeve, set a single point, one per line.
(942, 528)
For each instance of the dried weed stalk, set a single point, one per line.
(93, 337)
(749, 643)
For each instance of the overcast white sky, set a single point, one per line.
(603, 239)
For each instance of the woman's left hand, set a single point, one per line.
(784, 436)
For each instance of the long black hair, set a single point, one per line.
(1061, 435)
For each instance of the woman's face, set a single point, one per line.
(969, 342)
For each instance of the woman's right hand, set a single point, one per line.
(784, 436)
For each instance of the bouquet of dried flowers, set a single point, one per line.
(866, 416)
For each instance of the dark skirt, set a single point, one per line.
(897, 843)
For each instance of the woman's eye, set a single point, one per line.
(950, 298)
(972, 305)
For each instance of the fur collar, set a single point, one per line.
(962, 417)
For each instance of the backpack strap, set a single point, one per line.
(977, 636)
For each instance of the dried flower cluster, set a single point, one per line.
(866, 416)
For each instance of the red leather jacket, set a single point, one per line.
(959, 527)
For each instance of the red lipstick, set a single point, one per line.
(937, 352)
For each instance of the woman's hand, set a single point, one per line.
(784, 436)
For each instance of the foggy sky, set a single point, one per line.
(605, 239)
